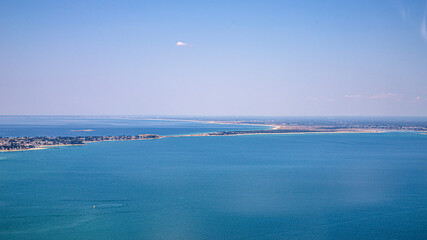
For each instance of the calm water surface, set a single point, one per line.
(103, 126)
(307, 186)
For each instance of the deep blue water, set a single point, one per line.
(302, 186)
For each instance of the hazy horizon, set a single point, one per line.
(216, 58)
(224, 117)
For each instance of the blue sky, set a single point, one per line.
(282, 58)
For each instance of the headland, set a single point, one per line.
(8, 144)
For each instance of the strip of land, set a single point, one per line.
(84, 130)
(8, 144)
(280, 129)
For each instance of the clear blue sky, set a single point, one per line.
(239, 57)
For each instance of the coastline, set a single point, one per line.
(271, 133)
(274, 129)
(273, 126)
(86, 140)
(23, 150)
(41, 148)
(84, 130)
(72, 145)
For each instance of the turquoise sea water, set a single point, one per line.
(302, 186)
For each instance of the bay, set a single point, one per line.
(294, 186)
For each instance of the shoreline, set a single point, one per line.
(267, 133)
(72, 145)
(281, 130)
(39, 143)
(273, 126)
(210, 134)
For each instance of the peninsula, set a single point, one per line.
(30, 143)
(8, 144)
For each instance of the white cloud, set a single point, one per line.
(420, 98)
(181, 44)
(320, 99)
(402, 9)
(423, 29)
(357, 96)
(392, 96)
(404, 14)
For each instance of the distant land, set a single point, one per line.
(287, 126)
(84, 130)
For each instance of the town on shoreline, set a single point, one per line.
(8, 144)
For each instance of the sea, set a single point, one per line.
(290, 186)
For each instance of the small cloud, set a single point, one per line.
(182, 44)
(392, 96)
(357, 96)
(423, 29)
(420, 98)
(401, 9)
(320, 99)
(404, 14)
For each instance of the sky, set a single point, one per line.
(232, 58)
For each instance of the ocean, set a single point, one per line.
(291, 186)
